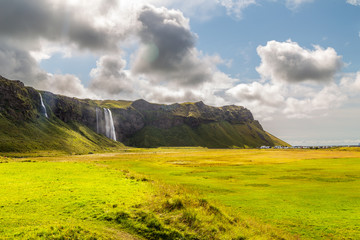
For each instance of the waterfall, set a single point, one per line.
(43, 106)
(109, 125)
(112, 127)
(105, 123)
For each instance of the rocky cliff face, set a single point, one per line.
(17, 101)
(23, 104)
(141, 113)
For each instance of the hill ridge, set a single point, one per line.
(137, 123)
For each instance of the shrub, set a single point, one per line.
(203, 202)
(189, 218)
(214, 210)
(121, 216)
(173, 204)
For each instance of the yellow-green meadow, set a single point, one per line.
(183, 193)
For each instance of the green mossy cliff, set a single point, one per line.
(25, 129)
(73, 123)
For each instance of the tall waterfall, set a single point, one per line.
(43, 106)
(110, 128)
(105, 123)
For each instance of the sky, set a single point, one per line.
(293, 63)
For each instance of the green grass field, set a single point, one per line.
(183, 193)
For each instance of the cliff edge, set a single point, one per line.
(135, 123)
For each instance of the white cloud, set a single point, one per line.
(48, 48)
(270, 99)
(264, 94)
(351, 83)
(110, 79)
(288, 62)
(31, 31)
(236, 7)
(68, 85)
(354, 2)
(293, 4)
(329, 97)
(209, 92)
(167, 54)
(262, 99)
(17, 63)
(28, 22)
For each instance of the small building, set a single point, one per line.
(265, 147)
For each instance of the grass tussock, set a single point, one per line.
(175, 212)
(60, 233)
(4, 159)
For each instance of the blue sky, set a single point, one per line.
(293, 63)
(329, 23)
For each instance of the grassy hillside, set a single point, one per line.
(212, 135)
(277, 141)
(110, 103)
(45, 135)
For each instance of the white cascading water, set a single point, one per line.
(109, 125)
(43, 106)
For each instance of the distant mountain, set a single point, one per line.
(38, 120)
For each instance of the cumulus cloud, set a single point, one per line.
(270, 99)
(173, 72)
(167, 52)
(164, 94)
(30, 21)
(209, 92)
(328, 98)
(263, 99)
(67, 84)
(16, 63)
(264, 94)
(166, 37)
(288, 62)
(109, 79)
(354, 2)
(351, 82)
(48, 49)
(33, 30)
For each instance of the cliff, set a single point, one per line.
(138, 123)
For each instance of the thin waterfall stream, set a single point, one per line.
(43, 106)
